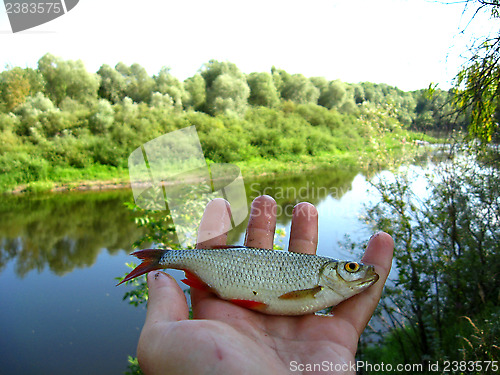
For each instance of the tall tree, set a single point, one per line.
(67, 78)
(333, 95)
(226, 86)
(262, 90)
(299, 89)
(166, 83)
(16, 84)
(139, 86)
(196, 94)
(478, 83)
(113, 84)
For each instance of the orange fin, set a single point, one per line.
(150, 262)
(194, 281)
(248, 304)
(303, 293)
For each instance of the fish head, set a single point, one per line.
(347, 277)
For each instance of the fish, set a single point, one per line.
(272, 282)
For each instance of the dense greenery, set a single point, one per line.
(478, 83)
(63, 232)
(443, 304)
(443, 301)
(60, 123)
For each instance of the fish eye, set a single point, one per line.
(351, 267)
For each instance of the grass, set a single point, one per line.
(97, 176)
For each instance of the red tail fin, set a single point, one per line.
(150, 261)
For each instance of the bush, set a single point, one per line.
(22, 167)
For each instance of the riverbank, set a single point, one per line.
(99, 178)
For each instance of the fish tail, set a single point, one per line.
(150, 262)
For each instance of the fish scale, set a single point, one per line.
(268, 281)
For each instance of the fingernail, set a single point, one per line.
(156, 275)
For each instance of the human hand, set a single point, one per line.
(223, 338)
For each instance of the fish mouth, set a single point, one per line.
(371, 280)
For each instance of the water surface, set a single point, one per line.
(59, 254)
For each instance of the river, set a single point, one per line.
(60, 253)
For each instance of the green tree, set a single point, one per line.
(358, 93)
(299, 89)
(68, 79)
(166, 83)
(113, 84)
(262, 90)
(279, 78)
(159, 100)
(196, 94)
(102, 118)
(16, 84)
(229, 95)
(139, 86)
(372, 92)
(478, 83)
(443, 239)
(227, 88)
(333, 95)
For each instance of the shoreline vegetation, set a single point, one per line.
(119, 178)
(64, 128)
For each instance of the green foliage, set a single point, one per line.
(133, 366)
(167, 84)
(227, 90)
(299, 89)
(113, 84)
(67, 79)
(228, 95)
(263, 92)
(480, 95)
(102, 118)
(16, 85)
(67, 121)
(195, 92)
(138, 295)
(477, 85)
(333, 95)
(139, 86)
(447, 256)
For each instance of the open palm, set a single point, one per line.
(227, 339)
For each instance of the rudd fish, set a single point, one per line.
(269, 281)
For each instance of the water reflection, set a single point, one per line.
(63, 231)
(69, 230)
(312, 187)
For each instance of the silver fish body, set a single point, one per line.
(269, 281)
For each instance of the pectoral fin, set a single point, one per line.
(194, 281)
(302, 293)
(248, 304)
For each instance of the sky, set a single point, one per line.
(404, 43)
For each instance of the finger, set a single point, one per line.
(359, 309)
(166, 301)
(215, 224)
(304, 231)
(262, 223)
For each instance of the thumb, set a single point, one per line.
(166, 301)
